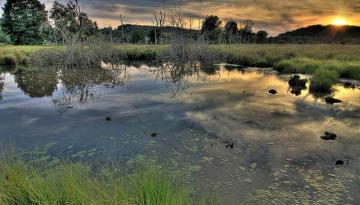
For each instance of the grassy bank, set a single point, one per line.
(21, 183)
(339, 60)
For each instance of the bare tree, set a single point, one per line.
(122, 28)
(190, 23)
(155, 31)
(159, 21)
(176, 18)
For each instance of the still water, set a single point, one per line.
(217, 124)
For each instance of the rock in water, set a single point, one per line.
(331, 100)
(339, 162)
(295, 81)
(329, 136)
(230, 146)
(349, 85)
(272, 91)
(154, 134)
(108, 119)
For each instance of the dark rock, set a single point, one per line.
(297, 85)
(296, 91)
(108, 119)
(329, 136)
(230, 146)
(154, 134)
(272, 91)
(349, 85)
(339, 162)
(70, 107)
(331, 100)
(295, 81)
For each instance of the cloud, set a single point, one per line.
(273, 15)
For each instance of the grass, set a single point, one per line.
(77, 184)
(287, 58)
(19, 54)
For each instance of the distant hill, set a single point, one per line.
(138, 33)
(321, 34)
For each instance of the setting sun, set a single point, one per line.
(339, 22)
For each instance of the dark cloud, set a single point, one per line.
(272, 15)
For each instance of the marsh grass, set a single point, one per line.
(343, 59)
(67, 183)
(323, 80)
(21, 54)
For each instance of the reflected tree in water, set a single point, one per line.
(2, 83)
(79, 84)
(177, 75)
(36, 82)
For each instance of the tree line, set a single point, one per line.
(27, 22)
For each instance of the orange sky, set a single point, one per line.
(275, 16)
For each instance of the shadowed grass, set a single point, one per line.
(7, 59)
(67, 183)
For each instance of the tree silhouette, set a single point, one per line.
(261, 36)
(246, 31)
(211, 28)
(231, 28)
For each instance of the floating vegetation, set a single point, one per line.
(315, 189)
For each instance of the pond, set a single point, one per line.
(217, 125)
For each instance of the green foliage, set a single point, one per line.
(70, 20)
(323, 80)
(138, 36)
(66, 183)
(22, 27)
(4, 38)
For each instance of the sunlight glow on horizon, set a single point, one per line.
(338, 21)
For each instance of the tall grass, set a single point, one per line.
(21, 54)
(343, 59)
(21, 183)
(323, 80)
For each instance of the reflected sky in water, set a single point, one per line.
(197, 111)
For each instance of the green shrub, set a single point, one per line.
(323, 80)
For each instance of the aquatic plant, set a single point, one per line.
(68, 183)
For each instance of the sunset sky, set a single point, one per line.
(275, 16)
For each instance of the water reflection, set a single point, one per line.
(36, 82)
(79, 84)
(218, 123)
(2, 78)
